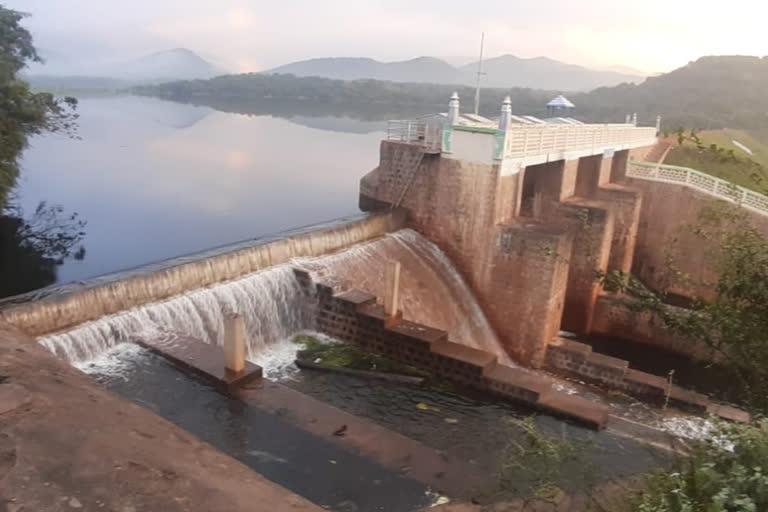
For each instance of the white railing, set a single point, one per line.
(527, 140)
(415, 132)
(699, 181)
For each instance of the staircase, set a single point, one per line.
(409, 165)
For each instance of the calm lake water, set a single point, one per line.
(156, 179)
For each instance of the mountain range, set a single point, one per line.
(709, 93)
(174, 64)
(503, 71)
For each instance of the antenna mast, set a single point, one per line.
(479, 74)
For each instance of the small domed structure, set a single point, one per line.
(559, 104)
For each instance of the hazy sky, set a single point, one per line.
(240, 35)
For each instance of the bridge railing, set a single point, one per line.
(700, 181)
(525, 140)
(414, 132)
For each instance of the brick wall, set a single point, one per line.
(353, 316)
(578, 360)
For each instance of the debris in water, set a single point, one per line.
(332, 461)
(265, 456)
(441, 500)
(342, 430)
(425, 407)
(451, 420)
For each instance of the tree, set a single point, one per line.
(30, 248)
(733, 321)
(23, 113)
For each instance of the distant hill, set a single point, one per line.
(419, 70)
(60, 72)
(176, 64)
(711, 92)
(504, 71)
(545, 73)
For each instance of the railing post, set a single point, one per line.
(408, 132)
(525, 143)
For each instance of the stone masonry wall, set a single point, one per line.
(578, 360)
(665, 210)
(354, 317)
(468, 210)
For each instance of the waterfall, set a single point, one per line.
(272, 304)
(275, 307)
(432, 292)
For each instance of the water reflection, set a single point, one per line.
(157, 179)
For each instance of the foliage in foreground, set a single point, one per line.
(728, 472)
(733, 323)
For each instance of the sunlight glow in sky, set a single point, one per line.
(240, 35)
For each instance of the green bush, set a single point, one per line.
(728, 472)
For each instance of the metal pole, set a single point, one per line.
(479, 74)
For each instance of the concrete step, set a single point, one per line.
(590, 413)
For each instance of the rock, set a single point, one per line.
(75, 503)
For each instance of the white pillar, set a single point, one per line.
(658, 123)
(634, 119)
(453, 109)
(628, 119)
(392, 282)
(506, 114)
(234, 342)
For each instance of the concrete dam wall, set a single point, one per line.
(62, 307)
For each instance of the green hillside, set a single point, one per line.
(715, 153)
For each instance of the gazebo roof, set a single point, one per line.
(560, 102)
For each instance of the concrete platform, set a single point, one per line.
(203, 360)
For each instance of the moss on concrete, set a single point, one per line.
(340, 355)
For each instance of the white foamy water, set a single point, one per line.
(432, 291)
(272, 304)
(275, 308)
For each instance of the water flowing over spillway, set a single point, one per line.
(271, 301)
(275, 307)
(432, 292)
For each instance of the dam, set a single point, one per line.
(497, 227)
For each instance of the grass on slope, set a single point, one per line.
(749, 171)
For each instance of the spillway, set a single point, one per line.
(432, 292)
(275, 307)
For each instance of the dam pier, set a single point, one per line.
(474, 262)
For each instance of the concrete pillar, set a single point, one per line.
(506, 114)
(619, 166)
(634, 119)
(628, 119)
(453, 109)
(658, 124)
(234, 343)
(391, 297)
